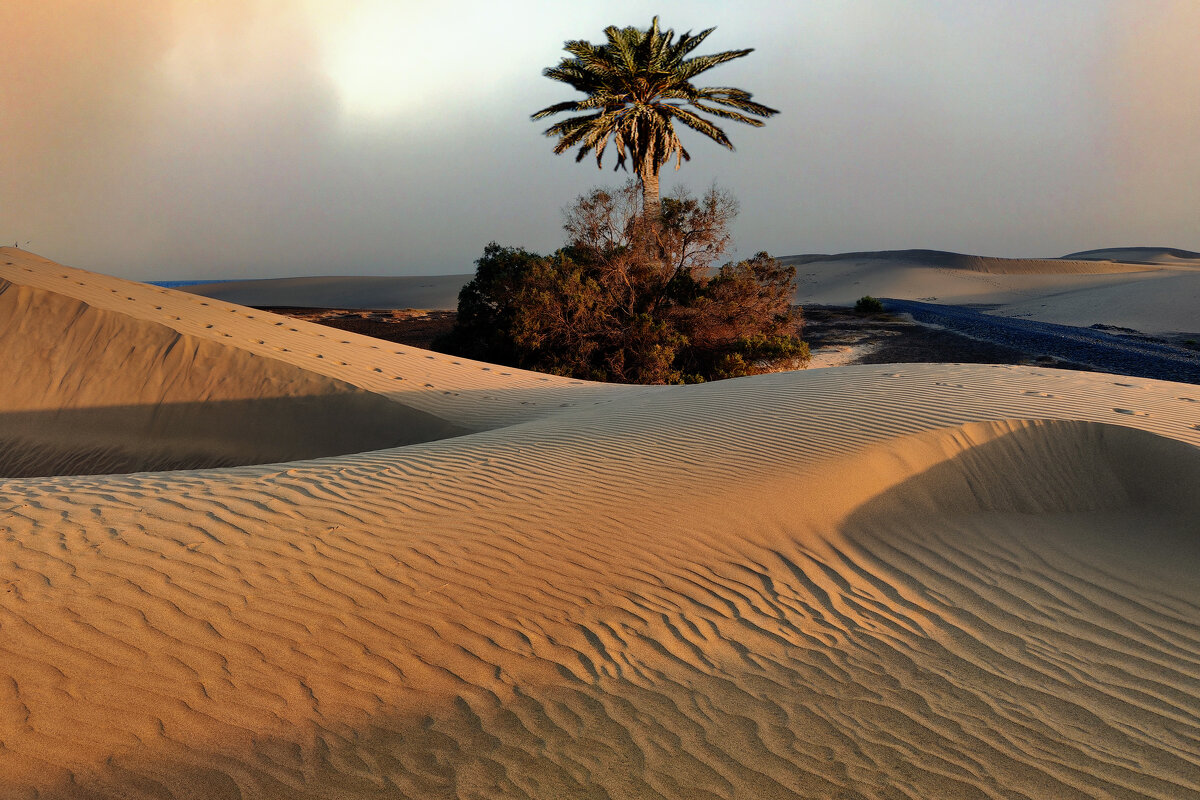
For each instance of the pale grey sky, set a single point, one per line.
(258, 138)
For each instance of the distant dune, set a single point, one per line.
(426, 292)
(923, 581)
(1139, 255)
(998, 266)
(1153, 298)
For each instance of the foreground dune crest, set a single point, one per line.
(861, 582)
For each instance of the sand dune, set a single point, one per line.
(841, 281)
(988, 264)
(1163, 303)
(1150, 297)
(115, 394)
(135, 377)
(863, 582)
(1141, 255)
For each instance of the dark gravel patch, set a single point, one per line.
(415, 328)
(1121, 354)
(899, 340)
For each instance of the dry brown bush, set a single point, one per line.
(634, 301)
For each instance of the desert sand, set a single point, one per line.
(926, 581)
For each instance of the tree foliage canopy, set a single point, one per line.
(633, 302)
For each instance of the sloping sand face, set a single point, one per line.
(106, 375)
(924, 581)
(90, 391)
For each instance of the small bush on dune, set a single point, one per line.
(633, 301)
(868, 305)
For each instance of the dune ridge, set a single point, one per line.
(859, 582)
(1140, 255)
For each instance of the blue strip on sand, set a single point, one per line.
(177, 284)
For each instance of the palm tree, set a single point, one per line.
(636, 85)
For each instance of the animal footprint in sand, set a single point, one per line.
(1131, 412)
(1038, 394)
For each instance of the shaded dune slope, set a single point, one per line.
(98, 391)
(862, 582)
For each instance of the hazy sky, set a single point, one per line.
(252, 138)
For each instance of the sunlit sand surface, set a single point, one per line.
(918, 581)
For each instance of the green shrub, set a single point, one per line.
(868, 305)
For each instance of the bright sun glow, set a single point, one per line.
(383, 58)
(388, 58)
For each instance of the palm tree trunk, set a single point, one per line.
(651, 203)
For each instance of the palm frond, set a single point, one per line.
(688, 42)
(570, 105)
(694, 66)
(735, 99)
(701, 125)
